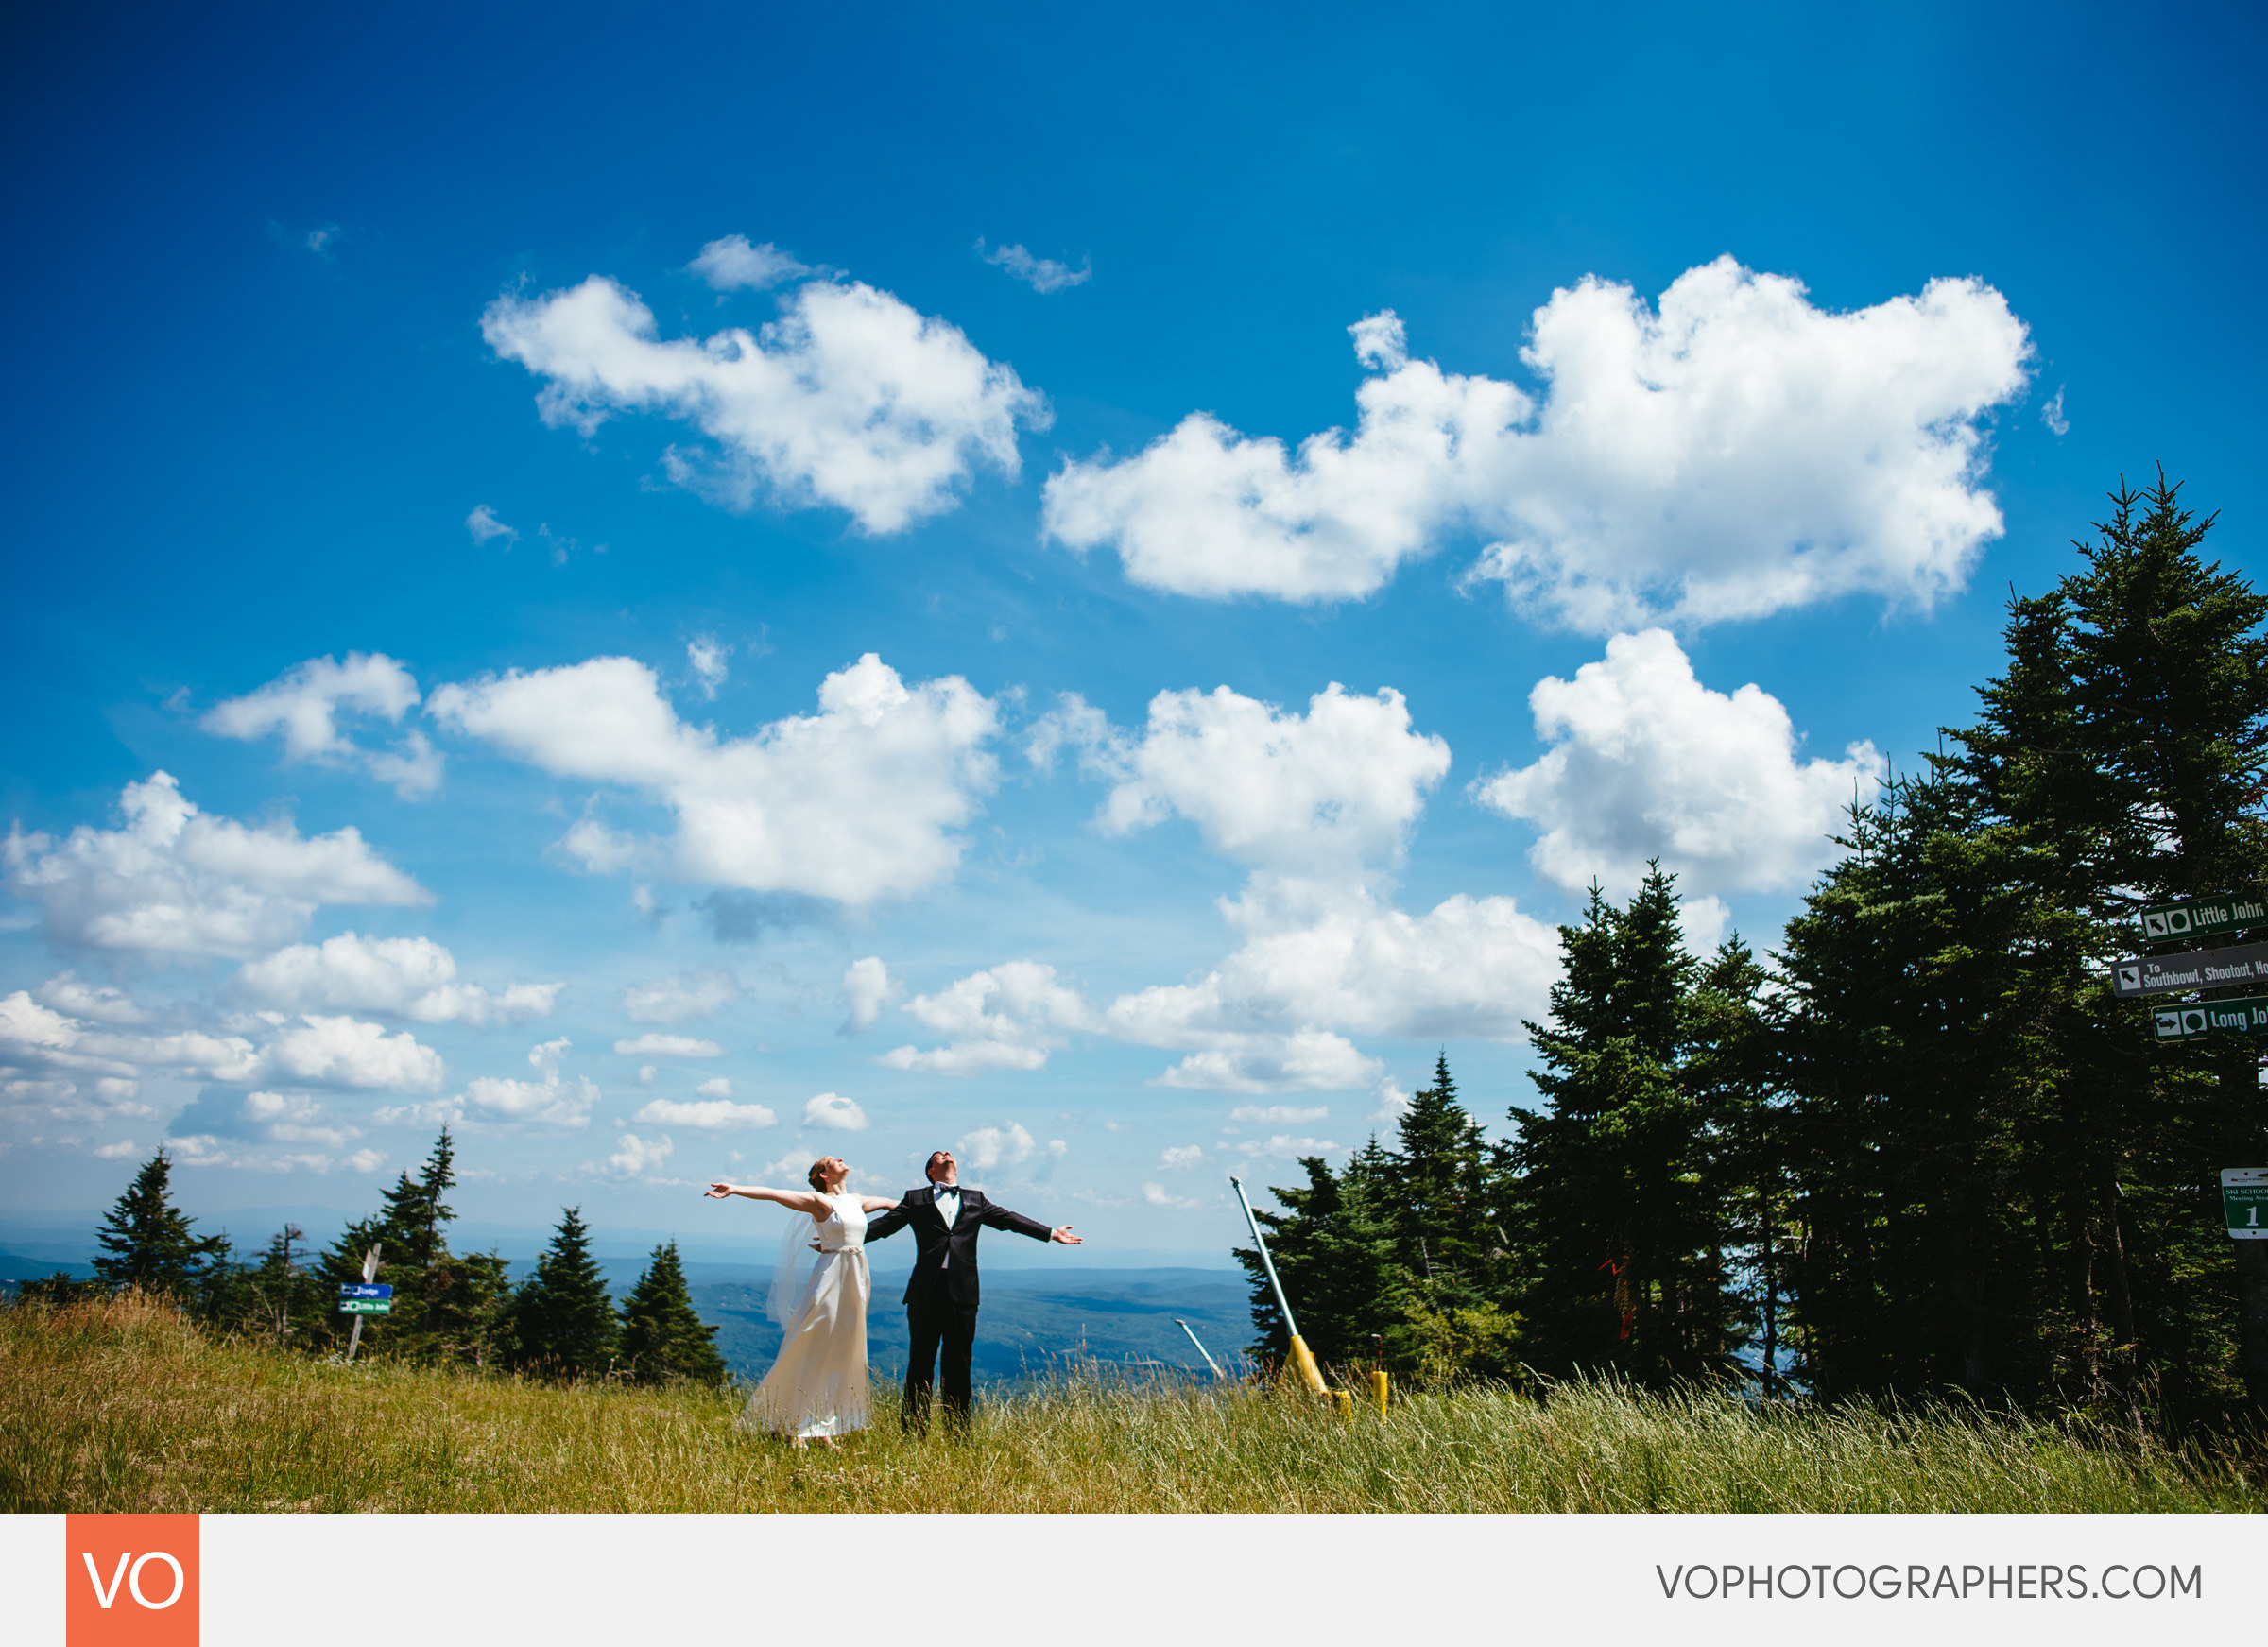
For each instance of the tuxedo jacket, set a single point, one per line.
(933, 1279)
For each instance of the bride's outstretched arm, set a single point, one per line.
(874, 1204)
(801, 1200)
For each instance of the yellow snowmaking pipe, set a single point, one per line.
(1302, 1359)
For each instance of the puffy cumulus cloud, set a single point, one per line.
(413, 978)
(706, 657)
(550, 1100)
(669, 1046)
(834, 1112)
(1647, 763)
(100, 1002)
(850, 398)
(1319, 958)
(484, 526)
(990, 1146)
(53, 1051)
(1181, 1160)
(1157, 1195)
(263, 1117)
(208, 1150)
(173, 881)
(347, 1051)
(866, 989)
(1278, 1114)
(715, 1087)
(1284, 1147)
(680, 996)
(1008, 1017)
(730, 265)
(853, 803)
(1733, 452)
(1337, 787)
(635, 1156)
(709, 1115)
(304, 702)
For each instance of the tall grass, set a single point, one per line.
(121, 1406)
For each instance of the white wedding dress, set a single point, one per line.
(818, 1385)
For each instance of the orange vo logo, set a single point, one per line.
(131, 1581)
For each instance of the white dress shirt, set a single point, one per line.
(947, 1199)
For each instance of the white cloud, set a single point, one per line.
(679, 996)
(988, 1147)
(646, 1074)
(304, 703)
(204, 1150)
(1301, 1060)
(1008, 1017)
(176, 882)
(1337, 787)
(1646, 762)
(1284, 1147)
(732, 265)
(867, 987)
(294, 1118)
(2051, 415)
(669, 1046)
(1733, 453)
(1157, 1195)
(851, 399)
(835, 1113)
(713, 1115)
(1042, 274)
(715, 1087)
(636, 1156)
(484, 526)
(102, 1002)
(1181, 1160)
(348, 1052)
(853, 803)
(550, 1100)
(1280, 1114)
(414, 978)
(37, 1041)
(706, 657)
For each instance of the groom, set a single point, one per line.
(940, 1299)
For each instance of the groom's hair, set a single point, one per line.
(929, 1168)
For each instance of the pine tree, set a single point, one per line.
(149, 1243)
(562, 1322)
(448, 1306)
(662, 1338)
(1617, 1232)
(1335, 1253)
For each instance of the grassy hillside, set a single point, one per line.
(120, 1407)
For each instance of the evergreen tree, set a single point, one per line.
(562, 1322)
(448, 1306)
(1618, 1230)
(662, 1338)
(1334, 1252)
(146, 1241)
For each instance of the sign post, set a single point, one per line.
(2244, 1209)
(367, 1299)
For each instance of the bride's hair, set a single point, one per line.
(815, 1179)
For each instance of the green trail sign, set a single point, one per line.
(2249, 1015)
(2245, 1198)
(2191, 970)
(366, 1305)
(2200, 918)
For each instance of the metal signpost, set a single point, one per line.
(2246, 1015)
(2243, 1198)
(1302, 1359)
(365, 1299)
(2199, 917)
(1201, 1349)
(2191, 970)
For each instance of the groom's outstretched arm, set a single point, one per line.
(997, 1217)
(888, 1224)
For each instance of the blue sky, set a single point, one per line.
(716, 585)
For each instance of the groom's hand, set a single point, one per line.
(1065, 1236)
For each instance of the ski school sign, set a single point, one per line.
(131, 1581)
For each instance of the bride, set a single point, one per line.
(818, 1385)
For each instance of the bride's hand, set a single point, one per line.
(717, 1191)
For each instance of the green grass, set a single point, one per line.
(121, 1406)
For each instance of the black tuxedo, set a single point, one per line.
(941, 1296)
